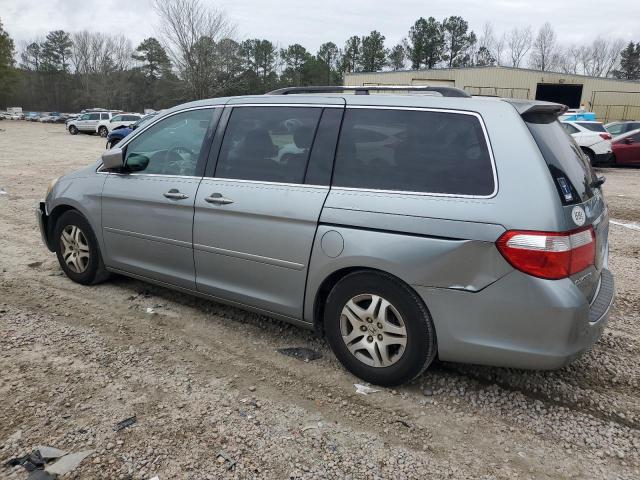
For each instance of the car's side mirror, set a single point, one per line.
(113, 159)
(629, 141)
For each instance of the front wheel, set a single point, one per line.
(379, 328)
(103, 132)
(77, 249)
(73, 130)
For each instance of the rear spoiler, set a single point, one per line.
(537, 110)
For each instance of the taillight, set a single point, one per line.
(606, 136)
(549, 255)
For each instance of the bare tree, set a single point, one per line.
(518, 43)
(488, 42)
(190, 31)
(545, 55)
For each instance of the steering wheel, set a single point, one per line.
(174, 161)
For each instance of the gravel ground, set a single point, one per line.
(202, 378)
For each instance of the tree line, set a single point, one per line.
(198, 55)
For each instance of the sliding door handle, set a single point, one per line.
(218, 199)
(174, 194)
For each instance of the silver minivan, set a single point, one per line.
(401, 226)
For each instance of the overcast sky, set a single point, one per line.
(312, 23)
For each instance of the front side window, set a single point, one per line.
(84, 117)
(269, 144)
(414, 151)
(117, 118)
(171, 146)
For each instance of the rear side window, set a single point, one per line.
(270, 144)
(93, 116)
(570, 128)
(570, 169)
(105, 116)
(414, 151)
(594, 127)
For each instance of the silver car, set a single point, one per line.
(400, 226)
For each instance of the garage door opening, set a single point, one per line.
(569, 95)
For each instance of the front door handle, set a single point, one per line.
(218, 199)
(174, 194)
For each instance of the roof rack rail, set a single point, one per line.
(364, 90)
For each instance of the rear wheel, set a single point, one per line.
(379, 328)
(77, 249)
(590, 155)
(103, 132)
(73, 130)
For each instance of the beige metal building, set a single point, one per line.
(609, 98)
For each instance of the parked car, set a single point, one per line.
(88, 122)
(626, 148)
(122, 131)
(122, 119)
(483, 239)
(593, 139)
(619, 128)
(32, 117)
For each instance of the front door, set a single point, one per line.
(147, 210)
(256, 219)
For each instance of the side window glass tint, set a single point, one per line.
(172, 146)
(93, 116)
(117, 118)
(269, 144)
(415, 151)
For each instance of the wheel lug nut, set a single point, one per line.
(379, 325)
(369, 320)
(363, 328)
(369, 338)
(379, 337)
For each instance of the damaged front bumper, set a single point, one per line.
(43, 224)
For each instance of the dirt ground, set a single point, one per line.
(202, 378)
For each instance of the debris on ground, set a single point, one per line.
(31, 461)
(127, 422)
(3, 192)
(225, 457)
(630, 225)
(150, 310)
(36, 462)
(68, 463)
(301, 353)
(364, 389)
(34, 264)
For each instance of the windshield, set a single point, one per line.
(569, 167)
(145, 121)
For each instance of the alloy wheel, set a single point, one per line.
(75, 248)
(373, 330)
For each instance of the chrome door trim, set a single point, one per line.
(262, 182)
(249, 256)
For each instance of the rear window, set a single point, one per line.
(414, 151)
(569, 167)
(594, 127)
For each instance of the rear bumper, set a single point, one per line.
(519, 321)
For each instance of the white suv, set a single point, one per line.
(88, 122)
(593, 139)
(105, 127)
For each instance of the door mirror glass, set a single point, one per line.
(113, 159)
(137, 163)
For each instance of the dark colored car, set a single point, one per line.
(626, 148)
(119, 133)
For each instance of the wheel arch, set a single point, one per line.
(332, 279)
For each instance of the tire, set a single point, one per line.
(613, 162)
(405, 314)
(79, 246)
(73, 130)
(590, 155)
(103, 132)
